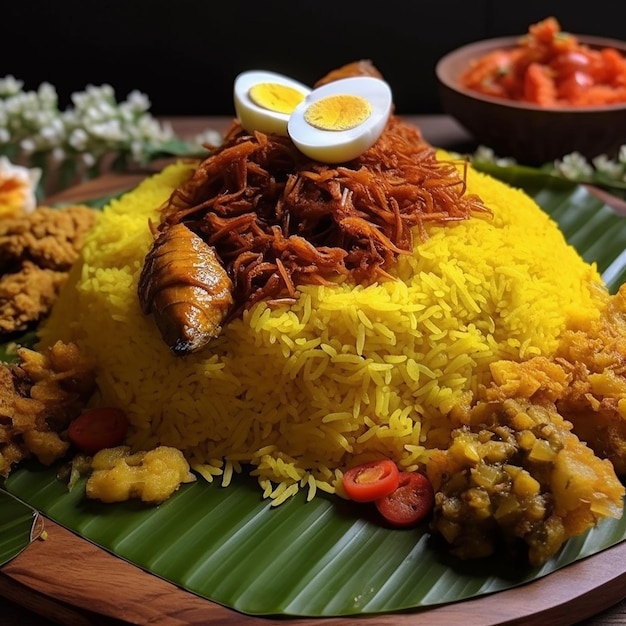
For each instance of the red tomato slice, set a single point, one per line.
(98, 428)
(371, 481)
(410, 503)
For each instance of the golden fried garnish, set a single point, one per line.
(185, 286)
(153, 476)
(278, 219)
(39, 396)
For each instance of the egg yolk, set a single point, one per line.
(275, 97)
(339, 112)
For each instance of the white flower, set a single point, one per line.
(574, 166)
(210, 136)
(485, 154)
(609, 167)
(78, 139)
(28, 145)
(9, 86)
(88, 159)
(58, 155)
(137, 101)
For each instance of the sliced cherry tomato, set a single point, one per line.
(371, 481)
(98, 428)
(410, 503)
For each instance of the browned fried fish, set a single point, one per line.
(185, 286)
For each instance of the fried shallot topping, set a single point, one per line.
(278, 219)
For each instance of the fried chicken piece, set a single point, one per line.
(39, 396)
(50, 238)
(37, 251)
(27, 296)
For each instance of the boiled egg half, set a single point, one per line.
(264, 100)
(339, 121)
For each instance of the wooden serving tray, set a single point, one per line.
(68, 579)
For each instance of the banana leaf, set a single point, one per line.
(17, 526)
(324, 557)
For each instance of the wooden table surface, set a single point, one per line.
(35, 588)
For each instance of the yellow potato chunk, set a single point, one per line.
(153, 476)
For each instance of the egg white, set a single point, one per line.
(254, 117)
(338, 146)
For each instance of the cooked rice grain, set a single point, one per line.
(345, 374)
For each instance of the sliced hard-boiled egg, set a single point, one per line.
(18, 188)
(339, 121)
(265, 100)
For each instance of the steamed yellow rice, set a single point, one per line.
(346, 373)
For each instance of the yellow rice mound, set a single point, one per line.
(343, 375)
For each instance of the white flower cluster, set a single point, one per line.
(575, 167)
(96, 125)
(487, 155)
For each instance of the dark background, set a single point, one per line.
(185, 54)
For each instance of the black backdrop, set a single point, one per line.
(184, 54)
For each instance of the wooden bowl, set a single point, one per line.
(530, 134)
